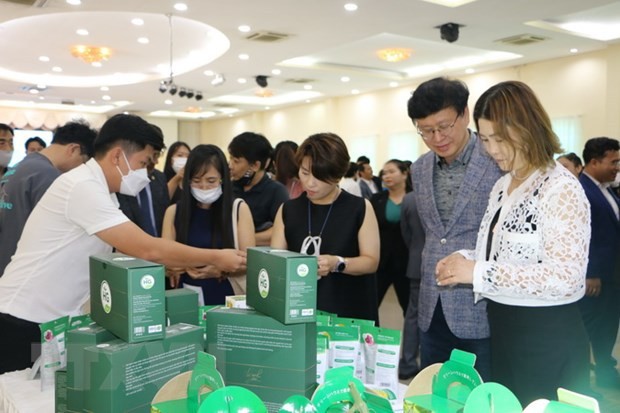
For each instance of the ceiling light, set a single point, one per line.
(450, 3)
(137, 21)
(106, 97)
(267, 108)
(143, 40)
(41, 86)
(163, 86)
(168, 102)
(263, 92)
(242, 80)
(199, 95)
(96, 64)
(218, 79)
(34, 91)
(190, 93)
(470, 71)
(574, 50)
(41, 98)
(208, 73)
(244, 28)
(44, 59)
(90, 54)
(308, 87)
(82, 32)
(345, 79)
(244, 56)
(355, 92)
(172, 89)
(261, 80)
(350, 7)
(394, 54)
(276, 72)
(104, 88)
(180, 7)
(74, 2)
(393, 84)
(307, 100)
(57, 69)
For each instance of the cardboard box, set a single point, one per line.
(282, 284)
(125, 377)
(60, 391)
(254, 351)
(77, 341)
(181, 306)
(127, 296)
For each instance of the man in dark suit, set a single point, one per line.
(148, 208)
(600, 308)
(369, 184)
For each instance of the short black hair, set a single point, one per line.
(363, 159)
(78, 131)
(596, 148)
(131, 131)
(35, 139)
(573, 158)
(437, 94)
(253, 147)
(7, 128)
(328, 155)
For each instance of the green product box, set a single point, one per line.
(181, 306)
(124, 377)
(282, 284)
(257, 352)
(127, 296)
(77, 341)
(60, 391)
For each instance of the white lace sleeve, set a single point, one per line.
(542, 252)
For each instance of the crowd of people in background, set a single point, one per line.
(487, 239)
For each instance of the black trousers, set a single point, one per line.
(401, 287)
(20, 344)
(601, 316)
(535, 350)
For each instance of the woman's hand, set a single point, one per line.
(208, 271)
(174, 274)
(325, 263)
(454, 269)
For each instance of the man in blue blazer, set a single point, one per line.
(600, 308)
(451, 184)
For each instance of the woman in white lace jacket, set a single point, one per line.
(532, 251)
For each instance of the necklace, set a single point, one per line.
(315, 241)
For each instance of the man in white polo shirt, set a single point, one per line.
(77, 217)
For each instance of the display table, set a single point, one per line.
(20, 395)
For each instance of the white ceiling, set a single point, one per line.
(336, 42)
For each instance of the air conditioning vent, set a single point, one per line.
(224, 105)
(67, 102)
(299, 81)
(521, 40)
(34, 3)
(267, 37)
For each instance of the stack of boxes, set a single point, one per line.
(118, 364)
(270, 349)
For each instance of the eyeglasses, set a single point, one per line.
(443, 130)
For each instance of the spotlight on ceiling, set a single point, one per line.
(218, 79)
(182, 92)
(163, 87)
(199, 95)
(172, 89)
(261, 80)
(190, 93)
(449, 32)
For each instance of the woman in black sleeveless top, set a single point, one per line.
(338, 227)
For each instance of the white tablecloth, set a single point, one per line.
(20, 395)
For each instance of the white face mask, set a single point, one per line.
(207, 196)
(178, 163)
(135, 181)
(5, 158)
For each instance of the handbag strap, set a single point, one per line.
(235, 217)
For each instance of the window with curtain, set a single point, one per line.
(568, 130)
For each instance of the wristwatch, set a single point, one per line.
(341, 265)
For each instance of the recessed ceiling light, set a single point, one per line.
(244, 56)
(44, 59)
(93, 102)
(57, 69)
(350, 7)
(168, 102)
(96, 64)
(242, 80)
(180, 7)
(355, 91)
(393, 84)
(143, 40)
(137, 21)
(244, 28)
(74, 2)
(574, 50)
(41, 86)
(106, 97)
(82, 32)
(308, 87)
(208, 73)
(450, 3)
(276, 72)
(345, 79)
(267, 107)
(470, 71)
(104, 88)
(34, 91)
(307, 100)
(41, 97)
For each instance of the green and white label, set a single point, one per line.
(147, 282)
(263, 283)
(303, 270)
(106, 297)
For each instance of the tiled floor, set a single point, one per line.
(390, 316)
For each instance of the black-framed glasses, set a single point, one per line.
(443, 130)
